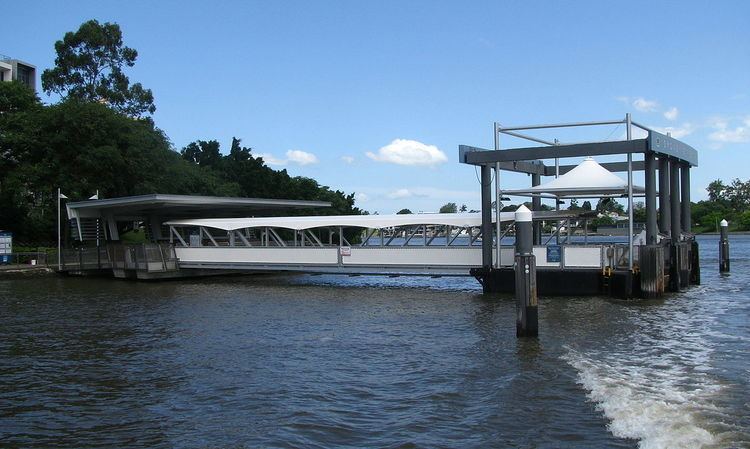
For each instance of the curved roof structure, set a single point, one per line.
(588, 179)
(353, 221)
(347, 221)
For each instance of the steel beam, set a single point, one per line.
(562, 125)
(549, 152)
(528, 167)
(524, 136)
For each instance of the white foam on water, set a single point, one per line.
(659, 407)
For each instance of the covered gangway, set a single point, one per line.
(416, 244)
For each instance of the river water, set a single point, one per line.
(326, 361)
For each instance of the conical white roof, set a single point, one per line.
(587, 179)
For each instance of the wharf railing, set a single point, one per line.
(84, 258)
(147, 257)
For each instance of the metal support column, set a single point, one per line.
(486, 181)
(651, 225)
(674, 199)
(498, 195)
(665, 220)
(629, 129)
(675, 274)
(685, 196)
(536, 205)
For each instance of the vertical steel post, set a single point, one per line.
(685, 196)
(674, 199)
(629, 128)
(675, 273)
(536, 205)
(486, 182)
(59, 239)
(724, 248)
(498, 195)
(557, 199)
(665, 217)
(651, 225)
(527, 316)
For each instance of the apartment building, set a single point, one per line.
(14, 69)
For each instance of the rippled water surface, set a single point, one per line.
(370, 362)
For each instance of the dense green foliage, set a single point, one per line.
(725, 202)
(83, 147)
(89, 67)
(94, 139)
(448, 208)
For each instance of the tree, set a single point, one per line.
(404, 212)
(448, 208)
(574, 205)
(203, 153)
(89, 67)
(463, 208)
(608, 205)
(738, 194)
(639, 212)
(716, 190)
(586, 205)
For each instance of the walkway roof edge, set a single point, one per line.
(193, 200)
(357, 221)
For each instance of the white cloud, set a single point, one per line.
(298, 157)
(409, 152)
(361, 197)
(672, 113)
(347, 159)
(725, 134)
(399, 193)
(270, 159)
(677, 132)
(642, 105)
(301, 157)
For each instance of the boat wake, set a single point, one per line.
(662, 407)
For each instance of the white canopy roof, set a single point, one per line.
(587, 179)
(357, 221)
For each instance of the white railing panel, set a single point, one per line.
(507, 255)
(583, 256)
(435, 256)
(541, 257)
(290, 256)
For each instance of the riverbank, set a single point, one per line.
(24, 270)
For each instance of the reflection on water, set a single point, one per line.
(326, 361)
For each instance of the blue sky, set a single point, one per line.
(375, 97)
